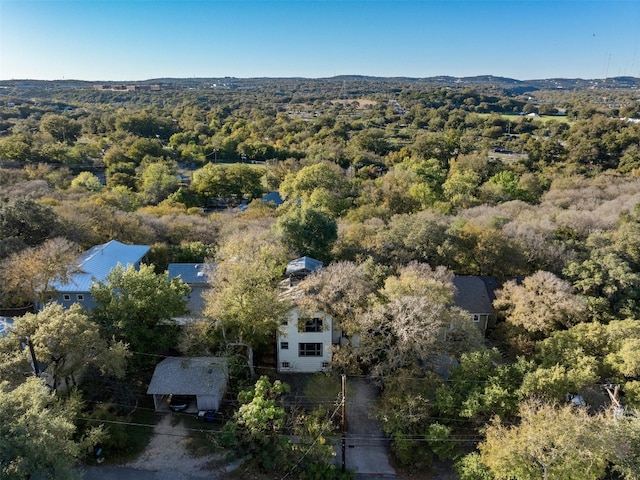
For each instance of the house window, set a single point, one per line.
(80, 297)
(284, 322)
(284, 345)
(311, 325)
(285, 365)
(476, 318)
(66, 297)
(309, 349)
(325, 364)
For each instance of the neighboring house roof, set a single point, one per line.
(6, 323)
(472, 294)
(273, 197)
(303, 266)
(95, 264)
(189, 376)
(191, 273)
(197, 276)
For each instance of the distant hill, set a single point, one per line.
(508, 84)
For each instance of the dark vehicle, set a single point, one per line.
(178, 403)
(209, 416)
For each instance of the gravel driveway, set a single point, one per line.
(165, 458)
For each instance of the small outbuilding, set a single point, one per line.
(202, 379)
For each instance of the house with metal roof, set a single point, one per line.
(301, 267)
(202, 380)
(197, 276)
(304, 342)
(93, 266)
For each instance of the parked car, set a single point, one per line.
(209, 416)
(178, 403)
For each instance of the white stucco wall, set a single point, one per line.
(289, 359)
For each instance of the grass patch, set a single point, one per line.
(322, 388)
(128, 436)
(201, 439)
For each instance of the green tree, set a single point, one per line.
(25, 223)
(87, 181)
(432, 176)
(406, 410)
(470, 467)
(68, 342)
(441, 146)
(542, 303)
(481, 386)
(243, 301)
(259, 425)
(371, 140)
(505, 186)
(15, 147)
(146, 124)
(460, 189)
(138, 307)
(324, 176)
(625, 445)
(610, 284)
(550, 442)
(158, 180)
(26, 275)
(308, 230)
(227, 182)
(38, 434)
(61, 128)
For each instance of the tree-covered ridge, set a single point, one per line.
(397, 185)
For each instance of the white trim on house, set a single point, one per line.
(305, 347)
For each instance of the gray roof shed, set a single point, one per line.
(202, 377)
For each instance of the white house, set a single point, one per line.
(304, 343)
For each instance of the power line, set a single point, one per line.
(297, 464)
(351, 438)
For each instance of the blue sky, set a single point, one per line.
(144, 39)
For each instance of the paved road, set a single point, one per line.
(367, 450)
(124, 473)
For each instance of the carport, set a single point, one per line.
(202, 378)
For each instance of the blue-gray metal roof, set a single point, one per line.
(95, 264)
(303, 265)
(6, 323)
(191, 273)
(273, 197)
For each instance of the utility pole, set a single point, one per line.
(616, 406)
(344, 422)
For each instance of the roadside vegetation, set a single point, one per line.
(396, 186)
